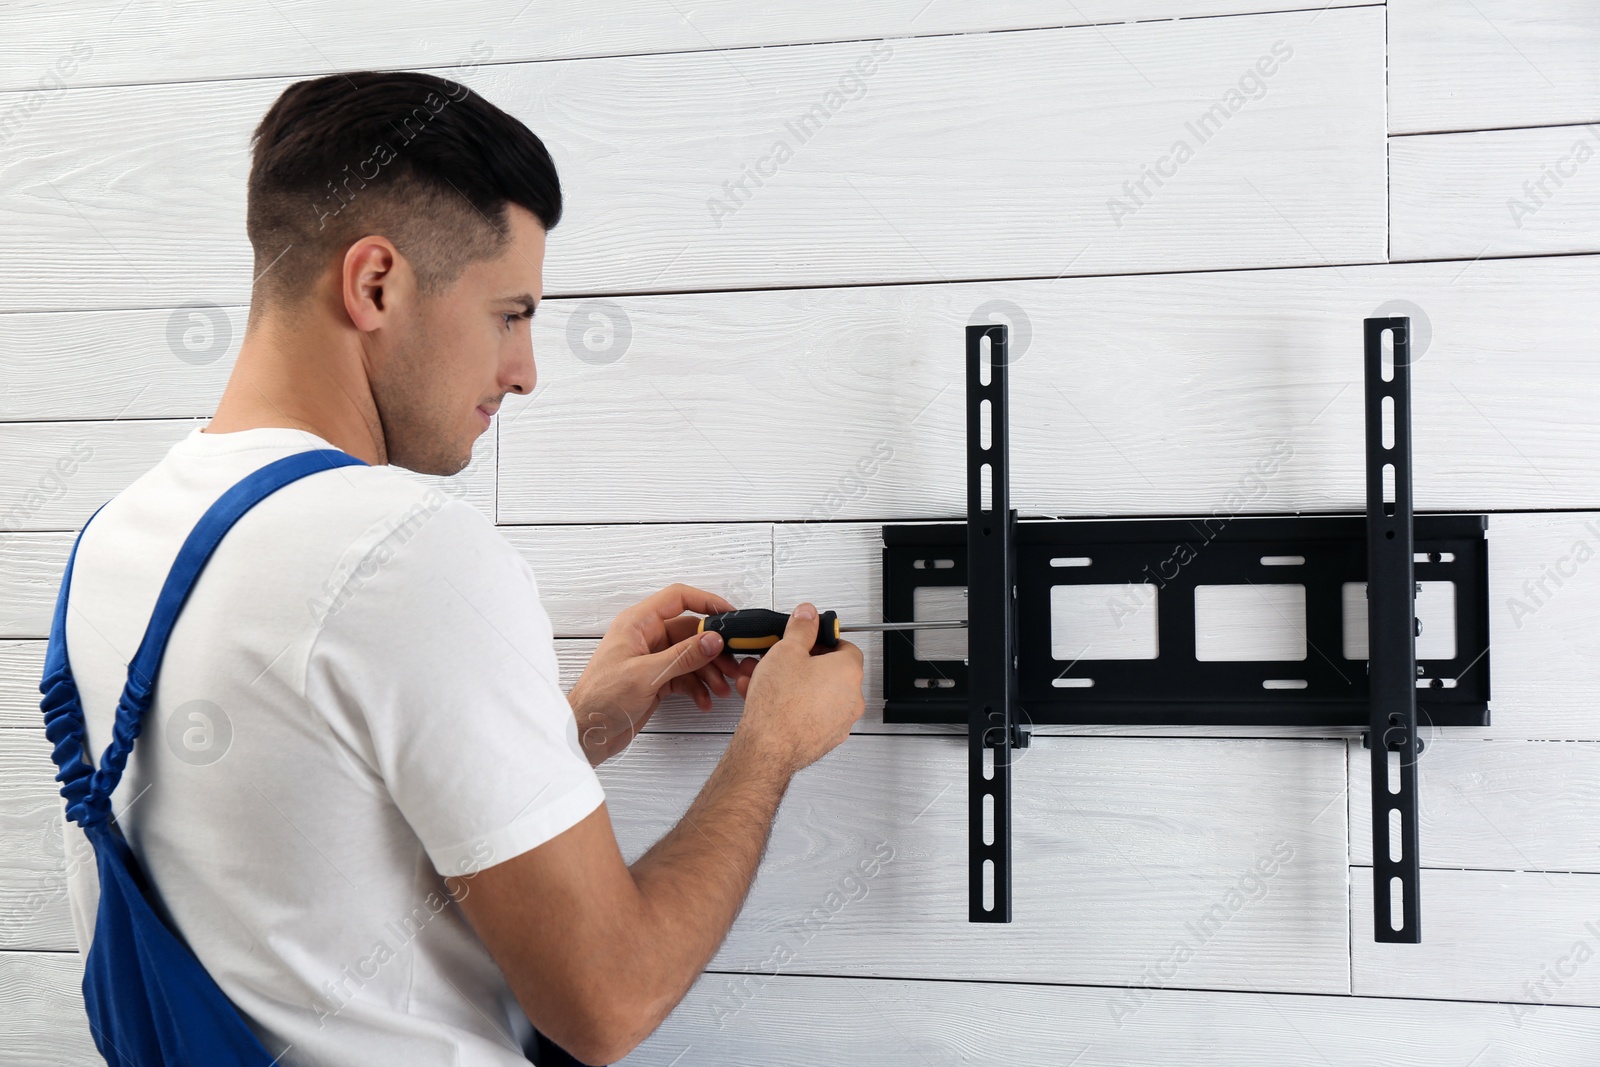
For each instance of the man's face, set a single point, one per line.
(460, 354)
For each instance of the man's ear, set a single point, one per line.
(374, 278)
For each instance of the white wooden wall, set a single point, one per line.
(712, 383)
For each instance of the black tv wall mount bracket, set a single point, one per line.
(1012, 678)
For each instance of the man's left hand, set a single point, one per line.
(650, 650)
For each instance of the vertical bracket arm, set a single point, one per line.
(991, 627)
(1391, 636)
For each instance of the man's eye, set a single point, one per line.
(509, 319)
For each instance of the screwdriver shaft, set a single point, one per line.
(941, 624)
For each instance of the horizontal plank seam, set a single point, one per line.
(532, 60)
(1117, 988)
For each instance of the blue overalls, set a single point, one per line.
(150, 1002)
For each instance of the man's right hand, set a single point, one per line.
(801, 704)
(598, 952)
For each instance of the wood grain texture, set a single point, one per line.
(1544, 626)
(57, 473)
(1123, 848)
(140, 364)
(790, 1021)
(44, 1024)
(130, 45)
(1507, 936)
(989, 129)
(1545, 674)
(21, 668)
(1506, 805)
(31, 567)
(588, 574)
(1129, 395)
(34, 912)
(1481, 64)
(1152, 841)
(1498, 193)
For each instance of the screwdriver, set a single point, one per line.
(755, 630)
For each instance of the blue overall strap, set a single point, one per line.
(150, 1002)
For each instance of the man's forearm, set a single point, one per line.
(695, 879)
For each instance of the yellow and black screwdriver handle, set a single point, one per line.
(754, 630)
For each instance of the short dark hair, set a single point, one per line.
(419, 159)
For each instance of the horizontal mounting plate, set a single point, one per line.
(1172, 557)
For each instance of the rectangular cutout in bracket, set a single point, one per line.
(1250, 622)
(1436, 612)
(1100, 622)
(939, 602)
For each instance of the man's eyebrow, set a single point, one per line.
(529, 304)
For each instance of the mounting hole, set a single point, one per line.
(1388, 534)
(935, 683)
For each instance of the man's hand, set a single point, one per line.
(598, 951)
(650, 650)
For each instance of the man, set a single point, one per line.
(361, 796)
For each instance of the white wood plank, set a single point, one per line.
(587, 574)
(1498, 193)
(773, 1020)
(1224, 393)
(21, 668)
(1507, 805)
(1524, 938)
(57, 473)
(1480, 64)
(131, 44)
(1542, 624)
(148, 363)
(44, 1024)
(1545, 675)
(31, 566)
(1122, 849)
(34, 912)
(864, 197)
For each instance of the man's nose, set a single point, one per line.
(524, 375)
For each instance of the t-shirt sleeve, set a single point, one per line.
(435, 662)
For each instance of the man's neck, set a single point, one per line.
(282, 382)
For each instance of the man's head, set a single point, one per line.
(407, 214)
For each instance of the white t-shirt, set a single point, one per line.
(360, 695)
